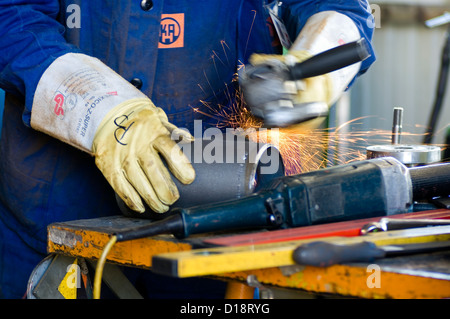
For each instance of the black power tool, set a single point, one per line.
(363, 189)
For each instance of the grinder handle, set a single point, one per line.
(331, 60)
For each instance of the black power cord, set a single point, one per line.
(440, 93)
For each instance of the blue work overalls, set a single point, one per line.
(183, 54)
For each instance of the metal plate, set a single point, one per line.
(406, 153)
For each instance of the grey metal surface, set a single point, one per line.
(397, 182)
(407, 154)
(47, 276)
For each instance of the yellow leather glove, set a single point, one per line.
(128, 146)
(314, 89)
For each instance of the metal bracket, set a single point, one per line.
(264, 293)
(47, 277)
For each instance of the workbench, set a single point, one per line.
(258, 259)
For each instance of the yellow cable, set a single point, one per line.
(100, 265)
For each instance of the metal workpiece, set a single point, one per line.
(397, 125)
(408, 154)
(226, 168)
(388, 224)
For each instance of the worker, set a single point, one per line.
(96, 90)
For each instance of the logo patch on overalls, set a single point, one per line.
(171, 33)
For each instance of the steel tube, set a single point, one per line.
(226, 168)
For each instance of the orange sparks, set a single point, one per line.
(302, 150)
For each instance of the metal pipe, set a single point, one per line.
(226, 168)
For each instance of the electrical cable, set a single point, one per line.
(440, 91)
(100, 266)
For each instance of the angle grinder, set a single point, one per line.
(268, 91)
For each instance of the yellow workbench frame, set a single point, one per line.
(86, 239)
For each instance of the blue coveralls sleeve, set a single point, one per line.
(30, 40)
(295, 13)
